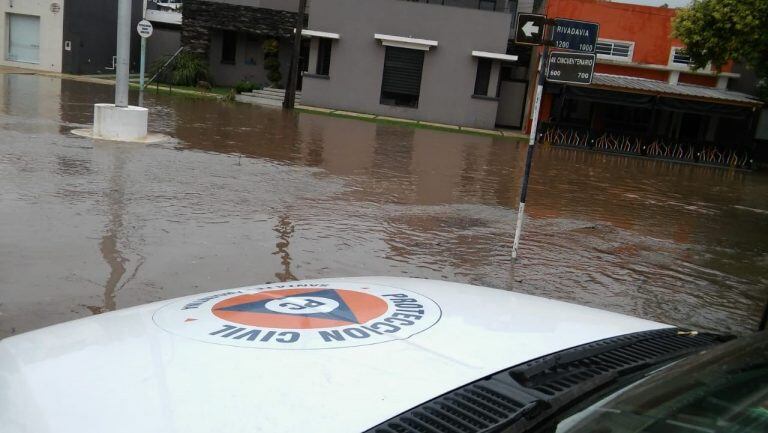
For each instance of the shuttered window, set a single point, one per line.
(680, 57)
(401, 81)
(616, 50)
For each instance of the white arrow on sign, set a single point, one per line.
(529, 29)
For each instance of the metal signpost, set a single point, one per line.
(145, 29)
(560, 67)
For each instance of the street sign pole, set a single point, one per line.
(143, 61)
(531, 146)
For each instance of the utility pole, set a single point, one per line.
(293, 77)
(143, 62)
(123, 52)
(531, 146)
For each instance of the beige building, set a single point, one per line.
(31, 34)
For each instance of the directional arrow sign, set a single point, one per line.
(570, 68)
(575, 35)
(530, 29)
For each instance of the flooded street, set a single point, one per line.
(245, 195)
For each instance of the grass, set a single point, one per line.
(408, 123)
(214, 92)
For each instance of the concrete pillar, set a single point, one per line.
(673, 77)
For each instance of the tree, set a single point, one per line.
(717, 31)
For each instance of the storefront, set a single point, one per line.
(653, 118)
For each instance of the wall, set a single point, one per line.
(448, 77)
(51, 28)
(249, 60)
(90, 26)
(202, 16)
(649, 27)
(283, 5)
(163, 42)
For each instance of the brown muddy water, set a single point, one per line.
(246, 195)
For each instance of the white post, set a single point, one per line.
(529, 154)
(123, 52)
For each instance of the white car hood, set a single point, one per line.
(158, 368)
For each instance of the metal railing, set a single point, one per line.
(653, 147)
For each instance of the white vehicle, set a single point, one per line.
(333, 355)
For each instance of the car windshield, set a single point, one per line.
(723, 390)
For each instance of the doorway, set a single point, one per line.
(23, 38)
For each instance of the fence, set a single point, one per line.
(655, 147)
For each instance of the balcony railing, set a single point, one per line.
(490, 5)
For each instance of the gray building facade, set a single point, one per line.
(440, 61)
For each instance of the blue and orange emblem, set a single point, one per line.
(301, 316)
(309, 308)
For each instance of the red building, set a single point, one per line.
(645, 99)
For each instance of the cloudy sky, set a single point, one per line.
(670, 3)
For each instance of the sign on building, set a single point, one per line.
(575, 35)
(570, 68)
(530, 29)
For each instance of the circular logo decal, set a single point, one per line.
(301, 316)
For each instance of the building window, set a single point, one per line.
(483, 77)
(324, 56)
(401, 81)
(615, 50)
(228, 47)
(23, 38)
(488, 5)
(680, 57)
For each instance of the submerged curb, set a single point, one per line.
(413, 123)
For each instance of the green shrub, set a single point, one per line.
(187, 69)
(245, 86)
(271, 48)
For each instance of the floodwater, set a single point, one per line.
(245, 195)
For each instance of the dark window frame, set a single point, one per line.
(483, 77)
(399, 85)
(480, 4)
(229, 47)
(324, 48)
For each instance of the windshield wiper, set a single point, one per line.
(519, 398)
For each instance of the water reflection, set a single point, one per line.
(251, 194)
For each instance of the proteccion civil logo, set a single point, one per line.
(301, 316)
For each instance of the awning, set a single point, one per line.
(403, 42)
(318, 34)
(662, 88)
(494, 56)
(644, 93)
